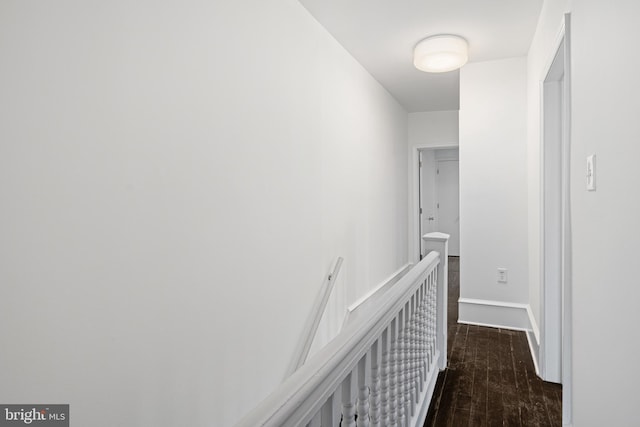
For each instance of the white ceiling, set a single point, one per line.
(381, 35)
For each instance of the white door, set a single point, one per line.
(448, 205)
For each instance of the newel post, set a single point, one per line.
(439, 242)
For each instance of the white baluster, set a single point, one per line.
(316, 421)
(429, 319)
(385, 383)
(408, 363)
(422, 338)
(416, 343)
(415, 391)
(332, 410)
(393, 375)
(364, 379)
(422, 334)
(411, 395)
(376, 374)
(422, 346)
(426, 333)
(402, 367)
(407, 366)
(432, 319)
(349, 393)
(421, 330)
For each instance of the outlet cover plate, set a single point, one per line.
(502, 275)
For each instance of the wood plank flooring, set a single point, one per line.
(490, 379)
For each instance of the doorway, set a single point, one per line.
(555, 338)
(439, 195)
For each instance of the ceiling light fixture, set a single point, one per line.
(438, 54)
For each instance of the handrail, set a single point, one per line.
(311, 328)
(381, 333)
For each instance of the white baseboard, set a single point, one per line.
(534, 348)
(496, 314)
(533, 336)
(534, 325)
(373, 294)
(504, 315)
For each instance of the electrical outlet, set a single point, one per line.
(502, 275)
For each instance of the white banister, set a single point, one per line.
(380, 370)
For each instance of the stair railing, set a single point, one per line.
(381, 369)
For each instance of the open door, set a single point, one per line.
(438, 195)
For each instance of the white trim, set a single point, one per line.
(493, 303)
(497, 314)
(560, 35)
(567, 323)
(534, 348)
(533, 337)
(512, 316)
(563, 39)
(393, 278)
(553, 196)
(534, 324)
(438, 189)
(373, 295)
(491, 325)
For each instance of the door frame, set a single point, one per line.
(437, 192)
(555, 219)
(414, 197)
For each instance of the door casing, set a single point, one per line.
(415, 239)
(555, 238)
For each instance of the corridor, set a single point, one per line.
(490, 379)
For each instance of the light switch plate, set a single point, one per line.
(591, 172)
(502, 275)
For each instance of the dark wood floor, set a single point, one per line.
(490, 379)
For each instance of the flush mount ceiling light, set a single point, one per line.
(438, 54)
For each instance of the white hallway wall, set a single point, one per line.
(426, 129)
(176, 180)
(605, 102)
(605, 105)
(493, 192)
